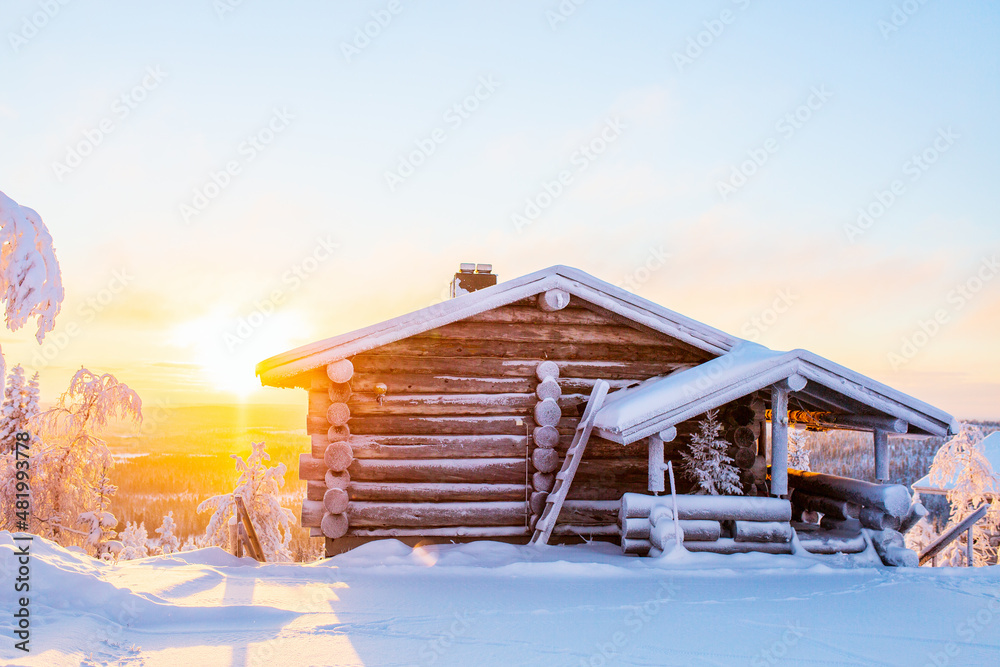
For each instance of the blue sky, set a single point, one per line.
(884, 96)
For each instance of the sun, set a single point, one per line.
(227, 349)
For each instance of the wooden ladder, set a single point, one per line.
(564, 478)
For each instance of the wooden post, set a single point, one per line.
(779, 433)
(656, 482)
(881, 455)
(968, 547)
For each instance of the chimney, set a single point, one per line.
(472, 277)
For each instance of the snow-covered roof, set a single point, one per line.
(637, 412)
(990, 447)
(279, 369)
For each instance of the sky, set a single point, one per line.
(225, 180)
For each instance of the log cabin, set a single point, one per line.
(547, 408)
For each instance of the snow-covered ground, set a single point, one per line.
(488, 603)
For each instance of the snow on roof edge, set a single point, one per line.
(579, 283)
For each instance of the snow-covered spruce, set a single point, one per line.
(20, 406)
(705, 460)
(135, 542)
(260, 488)
(167, 542)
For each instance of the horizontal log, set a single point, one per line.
(590, 530)
(434, 491)
(716, 508)
(541, 481)
(727, 545)
(413, 515)
(636, 547)
(545, 436)
(838, 509)
(549, 388)
(547, 370)
(762, 531)
(311, 468)
(363, 404)
(424, 383)
(312, 513)
(339, 392)
(451, 425)
(338, 456)
(536, 502)
(450, 531)
(500, 471)
(336, 479)
(456, 347)
(334, 525)
(698, 530)
(315, 490)
(582, 512)
(335, 501)
(552, 300)
(381, 364)
(547, 412)
(825, 542)
(875, 519)
(635, 529)
(338, 414)
(340, 371)
(546, 333)
(893, 499)
(532, 315)
(319, 402)
(545, 460)
(441, 447)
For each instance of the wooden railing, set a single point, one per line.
(949, 536)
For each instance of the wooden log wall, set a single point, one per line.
(473, 424)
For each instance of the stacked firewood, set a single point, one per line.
(846, 506)
(718, 524)
(743, 424)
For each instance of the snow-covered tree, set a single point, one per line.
(167, 542)
(259, 486)
(706, 462)
(962, 462)
(30, 279)
(20, 406)
(100, 522)
(798, 452)
(70, 464)
(190, 544)
(135, 542)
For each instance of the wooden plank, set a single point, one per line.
(434, 492)
(363, 404)
(426, 383)
(586, 512)
(498, 471)
(428, 515)
(449, 425)
(445, 347)
(551, 333)
(532, 315)
(946, 538)
(441, 447)
(382, 363)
